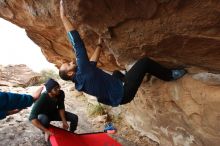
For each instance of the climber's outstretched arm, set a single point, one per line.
(79, 49)
(66, 22)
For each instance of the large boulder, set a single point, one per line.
(173, 32)
(185, 112)
(18, 75)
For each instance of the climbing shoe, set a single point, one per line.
(178, 73)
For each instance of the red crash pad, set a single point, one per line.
(62, 137)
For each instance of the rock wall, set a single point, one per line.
(173, 32)
(184, 112)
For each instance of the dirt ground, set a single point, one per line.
(16, 130)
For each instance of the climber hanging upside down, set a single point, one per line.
(115, 89)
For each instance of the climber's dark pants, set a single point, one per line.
(45, 119)
(133, 78)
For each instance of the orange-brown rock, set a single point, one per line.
(174, 32)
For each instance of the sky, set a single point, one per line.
(17, 48)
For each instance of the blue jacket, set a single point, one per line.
(10, 101)
(92, 80)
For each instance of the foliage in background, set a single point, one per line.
(95, 110)
(46, 74)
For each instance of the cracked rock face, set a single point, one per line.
(173, 32)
